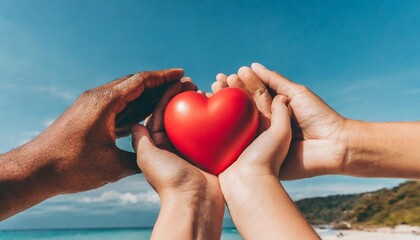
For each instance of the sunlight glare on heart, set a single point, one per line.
(182, 107)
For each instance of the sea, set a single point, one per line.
(111, 233)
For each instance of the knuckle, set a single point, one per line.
(280, 98)
(141, 74)
(98, 96)
(299, 89)
(106, 95)
(85, 95)
(145, 77)
(94, 95)
(128, 76)
(260, 92)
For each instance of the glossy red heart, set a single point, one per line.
(211, 132)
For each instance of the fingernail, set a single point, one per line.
(186, 79)
(220, 76)
(258, 65)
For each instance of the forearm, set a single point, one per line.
(261, 209)
(193, 216)
(383, 150)
(25, 179)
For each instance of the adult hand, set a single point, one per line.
(78, 151)
(326, 143)
(319, 140)
(319, 143)
(188, 195)
(83, 138)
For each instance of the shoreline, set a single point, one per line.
(399, 232)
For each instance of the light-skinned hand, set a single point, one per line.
(189, 196)
(257, 202)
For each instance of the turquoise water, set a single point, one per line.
(93, 234)
(107, 234)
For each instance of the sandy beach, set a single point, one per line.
(401, 232)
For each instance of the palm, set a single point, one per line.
(267, 152)
(317, 146)
(174, 171)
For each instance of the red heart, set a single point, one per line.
(211, 132)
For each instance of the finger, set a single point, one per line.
(122, 131)
(209, 94)
(132, 108)
(280, 132)
(186, 79)
(150, 158)
(127, 163)
(234, 81)
(131, 88)
(270, 147)
(188, 84)
(220, 83)
(276, 82)
(142, 145)
(156, 123)
(136, 111)
(222, 78)
(141, 139)
(256, 88)
(280, 119)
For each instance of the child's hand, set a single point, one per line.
(192, 202)
(258, 204)
(266, 153)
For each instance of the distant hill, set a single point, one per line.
(390, 207)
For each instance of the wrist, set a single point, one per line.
(195, 200)
(342, 149)
(244, 195)
(172, 199)
(26, 178)
(239, 186)
(39, 169)
(199, 215)
(354, 135)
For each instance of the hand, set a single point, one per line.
(318, 146)
(319, 141)
(188, 195)
(81, 142)
(257, 202)
(264, 156)
(78, 152)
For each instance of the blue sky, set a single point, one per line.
(361, 57)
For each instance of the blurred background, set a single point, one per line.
(361, 57)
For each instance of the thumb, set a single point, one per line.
(141, 139)
(275, 81)
(143, 146)
(134, 86)
(280, 119)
